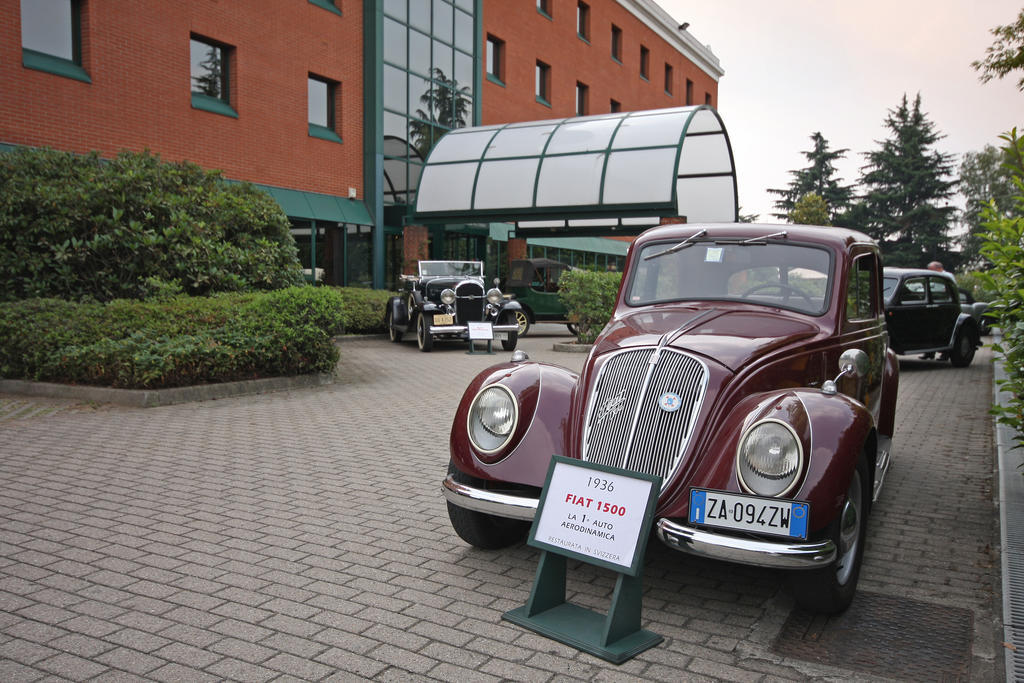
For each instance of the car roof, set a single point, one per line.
(838, 238)
(893, 271)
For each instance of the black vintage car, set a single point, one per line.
(923, 313)
(443, 299)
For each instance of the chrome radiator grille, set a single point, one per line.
(626, 427)
(469, 306)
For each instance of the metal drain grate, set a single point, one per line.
(875, 637)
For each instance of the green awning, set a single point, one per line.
(318, 207)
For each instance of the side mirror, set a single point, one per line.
(853, 362)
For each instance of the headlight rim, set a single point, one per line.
(470, 414)
(448, 293)
(801, 458)
(494, 296)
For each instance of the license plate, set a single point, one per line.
(501, 336)
(443, 319)
(749, 513)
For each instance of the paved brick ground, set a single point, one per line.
(302, 535)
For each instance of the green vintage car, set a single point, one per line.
(534, 284)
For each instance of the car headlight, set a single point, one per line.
(448, 296)
(492, 418)
(770, 458)
(494, 295)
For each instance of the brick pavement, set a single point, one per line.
(302, 535)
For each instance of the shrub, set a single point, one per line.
(1003, 246)
(78, 227)
(173, 342)
(589, 297)
(363, 309)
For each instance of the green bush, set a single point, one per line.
(172, 342)
(589, 297)
(363, 309)
(78, 227)
(1003, 246)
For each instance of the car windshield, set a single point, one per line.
(766, 273)
(451, 268)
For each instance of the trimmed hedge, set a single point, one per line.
(589, 297)
(79, 227)
(363, 309)
(173, 342)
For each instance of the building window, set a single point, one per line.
(707, 98)
(210, 76)
(583, 20)
(689, 92)
(645, 63)
(51, 37)
(581, 98)
(496, 60)
(615, 106)
(616, 43)
(543, 83)
(668, 79)
(544, 7)
(323, 97)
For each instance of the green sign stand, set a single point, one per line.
(483, 333)
(617, 636)
(489, 351)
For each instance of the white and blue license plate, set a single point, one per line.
(773, 516)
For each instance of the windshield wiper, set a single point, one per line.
(760, 240)
(682, 245)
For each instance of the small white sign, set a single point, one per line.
(593, 513)
(481, 331)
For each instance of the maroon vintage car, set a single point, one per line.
(747, 366)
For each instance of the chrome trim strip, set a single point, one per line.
(489, 502)
(458, 329)
(756, 552)
(882, 461)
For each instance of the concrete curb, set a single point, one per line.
(151, 398)
(572, 347)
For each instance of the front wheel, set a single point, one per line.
(830, 590)
(424, 340)
(479, 529)
(962, 352)
(511, 338)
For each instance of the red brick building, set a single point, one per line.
(331, 105)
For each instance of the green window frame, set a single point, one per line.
(495, 66)
(211, 75)
(582, 98)
(51, 37)
(543, 83)
(617, 43)
(322, 103)
(329, 5)
(668, 79)
(583, 21)
(645, 63)
(544, 8)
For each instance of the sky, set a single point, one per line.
(793, 67)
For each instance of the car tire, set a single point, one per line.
(509, 344)
(395, 335)
(830, 590)
(962, 352)
(523, 320)
(480, 530)
(424, 340)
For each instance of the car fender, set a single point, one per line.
(833, 429)
(509, 305)
(399, 311)
(968, 324)
(543, 394)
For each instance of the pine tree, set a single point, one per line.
(906, 188)
(818, 178)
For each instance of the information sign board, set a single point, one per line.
(601, 515)
(481, 330)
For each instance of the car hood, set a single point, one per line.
(731, 337)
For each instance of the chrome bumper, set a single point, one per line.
(756, 552)
(464, 329)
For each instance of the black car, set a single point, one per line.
(444, 299)
(922, 309)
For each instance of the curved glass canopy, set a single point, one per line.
(591, 175)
